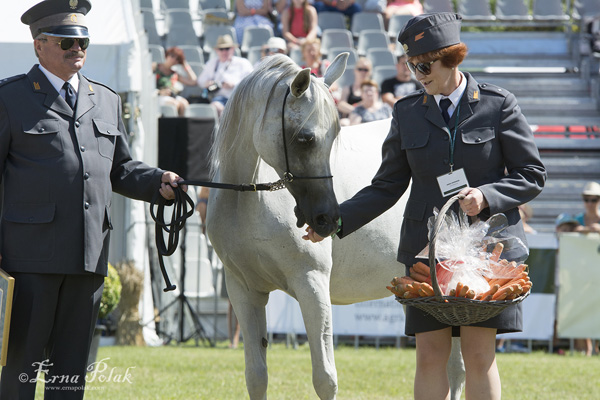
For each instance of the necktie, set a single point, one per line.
(444, 104)
(70, 95)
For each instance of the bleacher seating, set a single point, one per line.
(218, 4)
(158, 53)
(255, 36)
(366, 20)
(432, 6)
(201, 110)
(512, 10)
(352, 57)
(372, 39)
(336, 38)
(177, 4)
(556, 82)
(254, 54)
(549, 10)
(381, 57)
(396, 24)
(193, 54)
(475, 10)
(331, 20)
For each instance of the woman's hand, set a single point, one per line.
(312, 235)
(474, 201)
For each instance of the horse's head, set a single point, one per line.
(300, 128)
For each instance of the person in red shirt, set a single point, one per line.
(299, 23)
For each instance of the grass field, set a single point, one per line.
(188, 372)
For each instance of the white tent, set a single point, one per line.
(118, 57)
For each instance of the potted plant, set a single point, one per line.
(110, 300)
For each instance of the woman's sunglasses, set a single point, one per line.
(591, 199)
(362, 69)
(424, 68)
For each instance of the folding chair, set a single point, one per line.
(255, 36)
(372, 39)
(512, 10)
(475, 10)
(366, 20)
(433, 6)
(336, 38)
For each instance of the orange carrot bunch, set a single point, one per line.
(510, 281)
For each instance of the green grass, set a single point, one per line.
(188, 372)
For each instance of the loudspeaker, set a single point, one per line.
(184, 145)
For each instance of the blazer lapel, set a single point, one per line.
(53, 100)
(85, 97)
(433, 114)
(469, 98)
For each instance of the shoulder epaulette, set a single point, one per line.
(100, 84)
(11, 79)
(488, 87)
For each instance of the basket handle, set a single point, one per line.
(436, 227)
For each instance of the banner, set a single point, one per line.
(579, 286)
(385, 317)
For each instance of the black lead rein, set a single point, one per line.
(183, 206)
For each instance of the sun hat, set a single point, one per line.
(566, 218)
(591, 189)
(224, 42)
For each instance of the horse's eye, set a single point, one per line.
(305, 137)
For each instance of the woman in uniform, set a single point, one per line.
(454, 136)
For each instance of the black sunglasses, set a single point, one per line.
(591, 199)
(424, 68)
(225, 48)
(362, 69)
(67, 43)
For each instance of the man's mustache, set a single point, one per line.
(75, 54)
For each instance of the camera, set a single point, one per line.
(213, 87)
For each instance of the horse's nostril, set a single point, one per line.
(323, 219)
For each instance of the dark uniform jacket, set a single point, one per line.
(492, 137)
(58, 171)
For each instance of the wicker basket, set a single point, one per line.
(450, 310)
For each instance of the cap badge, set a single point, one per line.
(73, 4)
(73, 18)
(419, 36)
(36, 85)
(405, 47)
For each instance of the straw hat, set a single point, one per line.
(591, 189)
(224, 42)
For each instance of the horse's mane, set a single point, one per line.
(254, 95)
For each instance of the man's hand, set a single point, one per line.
(168, 180)
(312, 235)
(474, 201)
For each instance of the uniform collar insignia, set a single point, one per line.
(91, 88)
(36, 85)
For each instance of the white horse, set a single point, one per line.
(282, 121)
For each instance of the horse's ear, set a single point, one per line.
(300, 83)
(336, 69)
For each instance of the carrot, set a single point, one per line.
(470, 294)
(410, 295)
(428, 289)
(404, 279)
(418, 276)
(452, 292)
(459, 287)
(527, 286)
(502, 293)
(495, 256)
(490, 292)
(394, 290)
(463, 291)
(423, 293)
(413, 287)
(421, 268)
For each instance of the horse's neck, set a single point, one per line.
(241, 163)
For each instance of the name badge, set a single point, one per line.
(453, 182)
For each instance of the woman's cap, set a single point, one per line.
(565, 218)
(429, 32)
(225, 41)
(61, 18)
(277, 43)
(591, 189)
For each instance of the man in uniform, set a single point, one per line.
(63, 150)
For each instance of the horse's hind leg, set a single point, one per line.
(456, 370)
(315, 304)
(249, 308)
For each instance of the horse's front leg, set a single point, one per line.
(249, 307)
(315, 303)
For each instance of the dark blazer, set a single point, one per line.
(492, 137)
(58, 172)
